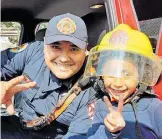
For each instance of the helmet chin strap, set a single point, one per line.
(99, 85)
(141, 89)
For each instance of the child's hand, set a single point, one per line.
(114, 120)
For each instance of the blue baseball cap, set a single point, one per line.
(67, 27)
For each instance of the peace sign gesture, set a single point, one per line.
(114, 120)
(10, 88)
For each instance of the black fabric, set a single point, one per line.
(137, 127)
(103, 33)
(40, 35)
(95, 23)
(11, 129)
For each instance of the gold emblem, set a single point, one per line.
(66, 26)
(119, 37)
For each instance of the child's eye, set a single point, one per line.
(126, 73)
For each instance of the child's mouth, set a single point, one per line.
(115, 91)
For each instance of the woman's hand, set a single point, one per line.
(10, 88)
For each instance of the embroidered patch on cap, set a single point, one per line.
(19, 48)
(66, 26)
(119, 37)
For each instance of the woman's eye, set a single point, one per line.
(75, 49)
(56, 47)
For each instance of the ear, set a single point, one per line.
(86, 51)
(46, 53)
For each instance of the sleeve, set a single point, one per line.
(158, 121)
(88, 129)
(15, 66)
(4, 57)
(98, 129)
(81, 122)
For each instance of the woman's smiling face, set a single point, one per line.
(64, 59)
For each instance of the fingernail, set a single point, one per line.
(112, 128)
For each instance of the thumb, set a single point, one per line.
(10, 107)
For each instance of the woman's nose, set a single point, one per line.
(64, 57)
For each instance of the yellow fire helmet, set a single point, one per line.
(124, 53)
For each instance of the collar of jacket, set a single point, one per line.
(142, 105)
(51, 82)
(48, 83)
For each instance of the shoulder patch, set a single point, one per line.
(19, 48)
(91, 108)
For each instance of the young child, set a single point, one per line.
(125, 62)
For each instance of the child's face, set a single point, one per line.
(123, 82)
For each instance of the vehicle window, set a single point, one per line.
(41, 26)
(10, 35)
(151, 28)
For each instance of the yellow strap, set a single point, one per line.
(60, 107)
(67, 102)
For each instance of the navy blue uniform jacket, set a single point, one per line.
(40, 100)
